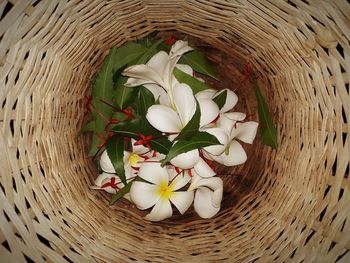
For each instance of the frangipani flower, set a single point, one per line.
(158, 192)
(231, 98)
(174, 119)
(208, 194)
(109, 180)
(158, 70)
(234, 153)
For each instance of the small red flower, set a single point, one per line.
(170, 40)
(144, 140)
(112, 184)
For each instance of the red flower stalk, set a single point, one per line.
(170, 40)
(144, 140)
(112, 184)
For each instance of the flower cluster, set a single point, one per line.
(179, 128)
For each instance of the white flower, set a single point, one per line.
(231, 98)
(230, 123)
(174, 119)
(108, 180)
(208, 192)
(158, 192)
(158, 71)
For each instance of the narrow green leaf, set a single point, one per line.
(145, 99)
(89, 127)
(128, 53)
(199, 140)
(152, 50)
(161, 145)
(191, 127)
(220, 99)
(123, 95)
(149, 39)
(267, 127)
(120, 193)
(196, 60)
(102, 90)
(132, 128)
(115, 151)
(195, 84)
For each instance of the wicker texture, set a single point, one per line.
(297, 209)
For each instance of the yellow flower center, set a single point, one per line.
(165, 190)
(134, 159)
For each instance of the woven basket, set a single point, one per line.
(286, 205)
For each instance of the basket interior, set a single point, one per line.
(285, 205)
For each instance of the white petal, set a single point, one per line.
(215, 184)
(158, 62)
(235, 116)
(206, 94)
(164, 98)
(196, 178)
(203, 203)
(182, 200)
(138, 149)
(172, 137)
(225, 123)
(222, 137)
(181, 180)
(155, 89)
(231, 100)
(134, 82)
(186, 160)
(179, 48)
(236, 155)
(209, 111)
(101, 178)
(144, 195)
(185, 102)
(163, 118)
(153, 172)
(171, 172)
(160, 211)
(207, 155)
(106, 164)
(203, 169)
(159, 93)
(185, 68)
(245, 132)
(145, 73)
(110, 190)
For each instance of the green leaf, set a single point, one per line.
(149, 53)
(161, 145)
(102, 90)
(123, 95)
(103, 87)
(195, 84)
(128, 53)
(115, 151)
(89, 127)
(149, 39)
(267, 127)
(199, 140)
(220, 99)
(120, 193)
(132, 128)
(191, 127)
(196, 60)
(145, 99)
